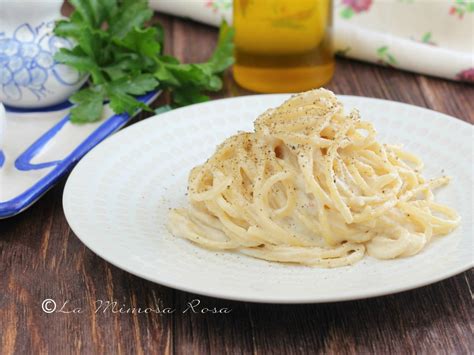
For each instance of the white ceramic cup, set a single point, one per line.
(29, 76)
(2, 134)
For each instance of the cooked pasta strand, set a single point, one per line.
(312, 186)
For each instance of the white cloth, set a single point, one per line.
(434, 37)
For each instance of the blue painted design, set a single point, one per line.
(2, 158)
(27, 198)
(23, 162)
(62, 106)
(26, 62)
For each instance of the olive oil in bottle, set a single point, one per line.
(282, 45)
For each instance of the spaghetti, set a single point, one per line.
(313, 186)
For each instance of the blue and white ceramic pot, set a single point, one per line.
(29, 76)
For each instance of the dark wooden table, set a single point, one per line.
(41, 258)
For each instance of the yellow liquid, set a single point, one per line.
(282, 46)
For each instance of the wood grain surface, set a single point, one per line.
(41, 258)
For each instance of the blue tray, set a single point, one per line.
(38, 147)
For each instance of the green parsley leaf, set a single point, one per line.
(71, 28)
(89, 105)
(75, 58)
(222, 58)
(123, 102)
(143, 41)
(138, 85)
(187, 96)
(124, 57)
(187, 81)
(163, 109)
(132, 13)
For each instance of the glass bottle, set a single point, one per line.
(282, 45)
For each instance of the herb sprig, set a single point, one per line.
(124, 57)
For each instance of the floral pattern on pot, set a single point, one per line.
(427, 38)
(466, 75)
(26, 63)
(352, 7)
(219, 5)
(385, 57)
(461, 7)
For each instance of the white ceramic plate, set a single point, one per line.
(118, 197)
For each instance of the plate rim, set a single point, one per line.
(216, 293)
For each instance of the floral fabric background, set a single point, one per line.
(434, 37)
